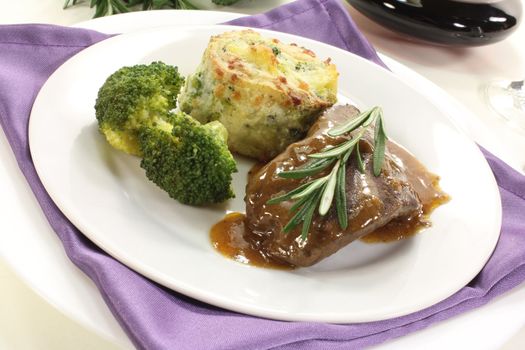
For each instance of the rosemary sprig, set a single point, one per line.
(110, 7)
(104, 7)
(320, 192)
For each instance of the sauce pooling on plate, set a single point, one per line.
(228, 237)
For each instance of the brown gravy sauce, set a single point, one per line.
(228, 235)
(427, 187)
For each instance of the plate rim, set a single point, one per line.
(225, 302)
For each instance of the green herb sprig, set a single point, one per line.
(319, 193)
(110, 7)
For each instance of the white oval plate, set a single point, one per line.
(105, 194)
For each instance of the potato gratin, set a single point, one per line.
(266, 93)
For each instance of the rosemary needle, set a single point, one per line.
(328, 192)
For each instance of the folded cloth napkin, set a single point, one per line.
(157, 318)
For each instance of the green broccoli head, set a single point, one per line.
(133, 97)
(191, 161)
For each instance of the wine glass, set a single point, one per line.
(507, 98)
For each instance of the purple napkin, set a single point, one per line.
(157, 318)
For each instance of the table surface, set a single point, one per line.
(28, 322)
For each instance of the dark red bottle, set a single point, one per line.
(459, 23)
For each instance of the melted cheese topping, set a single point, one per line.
(288, 65)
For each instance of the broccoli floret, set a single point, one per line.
(139, 95)
(224, 2)
(190, 161)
